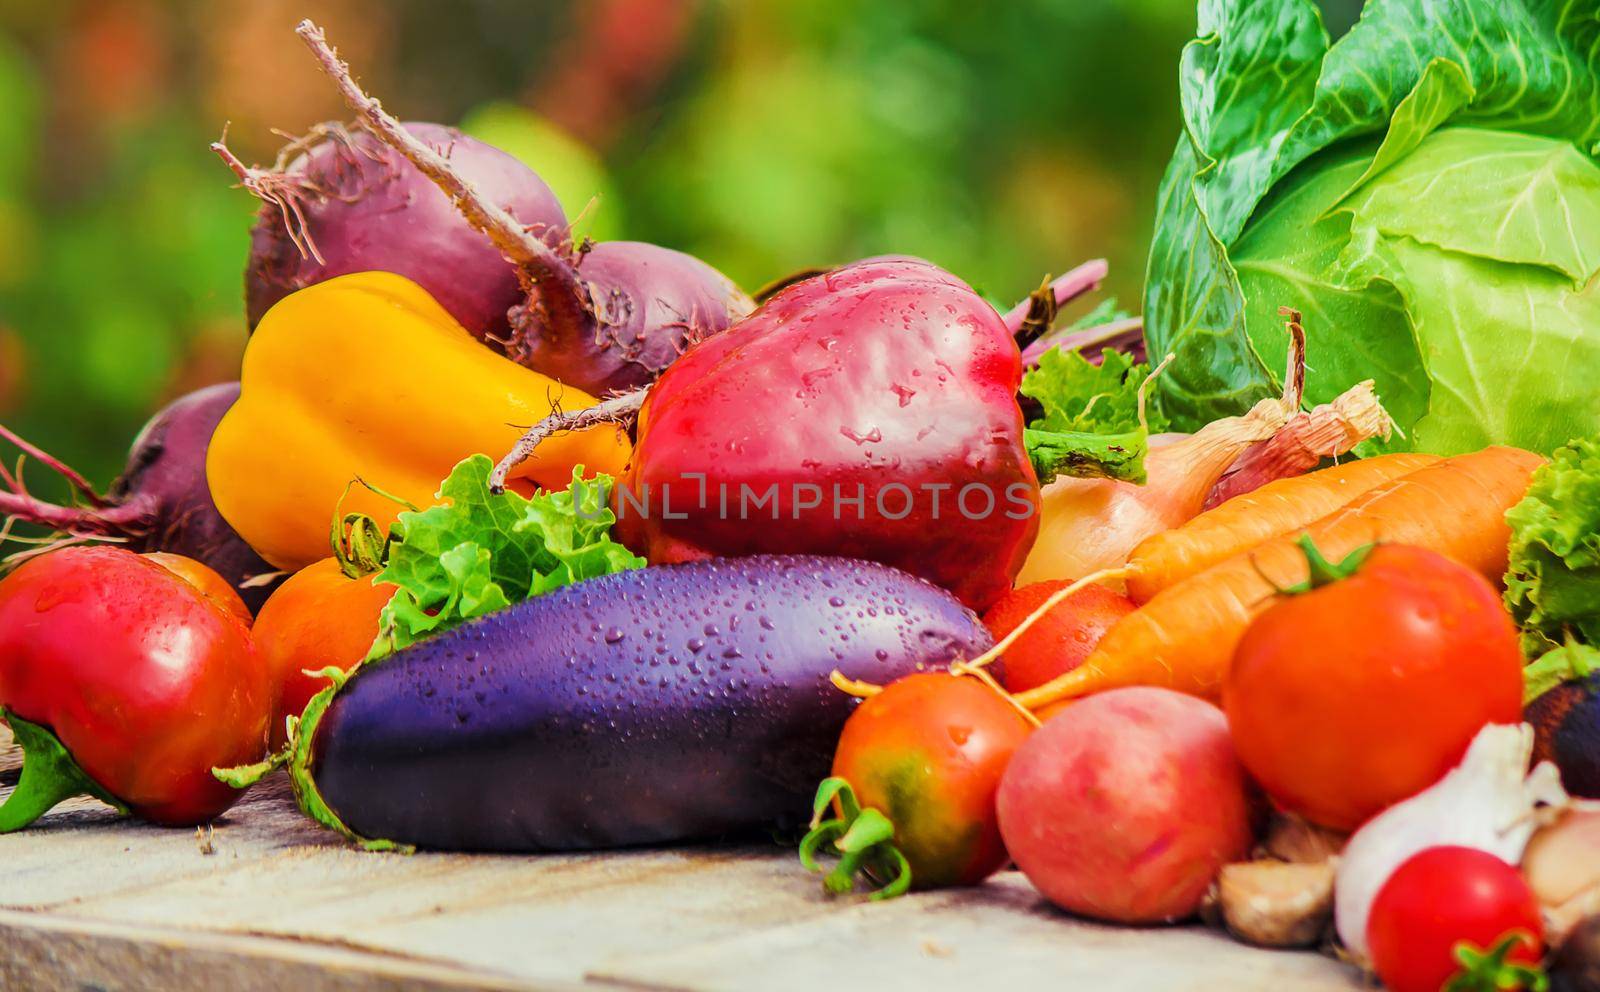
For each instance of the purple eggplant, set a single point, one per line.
(674, 703)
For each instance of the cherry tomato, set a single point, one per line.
(1439, 898)
(1366, 689)
(142, 680)
(928, 752)
(213, 586)
(319, 618)
(1062, 639)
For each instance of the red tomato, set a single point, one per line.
(146, 682)
(1439, 898)
(213, 586)
(319, 618)
(1062, 639)
(1350, 697)
(928, 752)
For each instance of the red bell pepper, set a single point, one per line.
(868, 412)
(124, 681)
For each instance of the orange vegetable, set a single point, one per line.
(1277, 508)
(1059, 641)
(1184, 638)
(213, 586)
(319, 618)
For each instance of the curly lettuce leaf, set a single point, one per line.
(478, 551)
(1571, 662)
(1090, 424)
(1553, 576)
(1266, 99)
(1077, 395)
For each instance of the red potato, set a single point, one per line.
(1126, 805)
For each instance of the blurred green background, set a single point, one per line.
(1003, 140)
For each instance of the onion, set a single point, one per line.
(1086, 525)
(1326, 431)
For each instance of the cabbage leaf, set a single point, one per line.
(1425, 190)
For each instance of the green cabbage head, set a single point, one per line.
(1426, 191)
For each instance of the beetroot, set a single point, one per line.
(339, 202)
(603, 317)
(649, 303)
(161, 502)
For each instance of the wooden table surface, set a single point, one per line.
(266, 901)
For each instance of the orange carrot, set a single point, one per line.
(1277, 508)
(1184, 638)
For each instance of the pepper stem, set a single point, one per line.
(49, 776)
(296, 756)
(360, 545)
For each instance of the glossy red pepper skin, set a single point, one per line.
(881, 378)
(145, 681)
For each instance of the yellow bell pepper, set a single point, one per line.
(366, 375)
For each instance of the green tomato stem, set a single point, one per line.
(1321, 571)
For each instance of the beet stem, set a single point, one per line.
(512, 239)
(1115, 334)
(54, 464)
(1068, 287)
(620, 409)
(112, 522)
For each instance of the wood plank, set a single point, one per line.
(1002, 936)
(47, 954)
(269, 901)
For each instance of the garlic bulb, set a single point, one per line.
(1489, 801)
(1562, 865)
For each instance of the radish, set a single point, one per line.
(338, 202)
(601, 317)
(1126, 805)
(161, 502)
